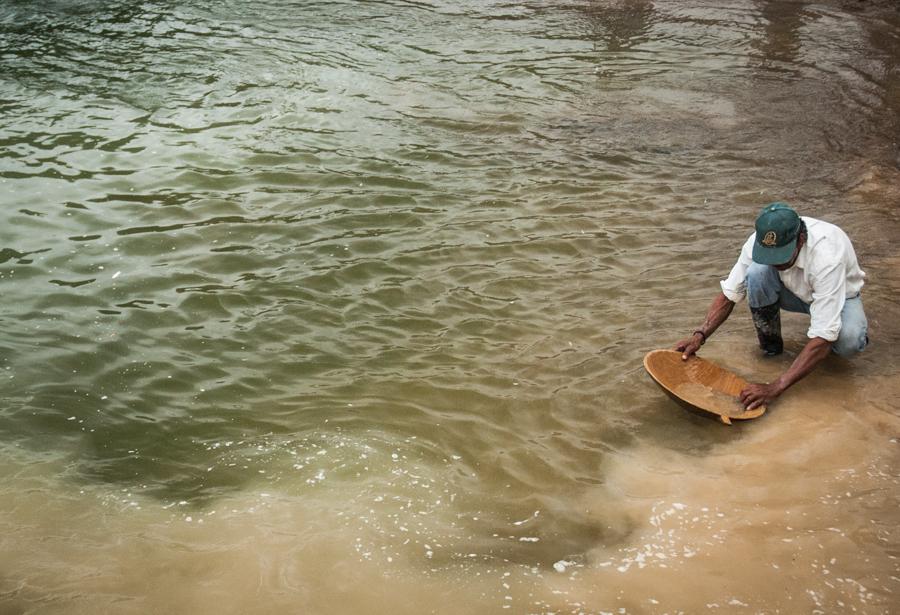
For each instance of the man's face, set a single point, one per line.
(790, 263)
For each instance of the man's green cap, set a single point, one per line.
(777, 229)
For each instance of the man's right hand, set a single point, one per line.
(689, 346)
(718, 312)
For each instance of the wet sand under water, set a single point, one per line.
(710, 399)
(797, 512)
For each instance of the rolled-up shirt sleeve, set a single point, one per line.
(735, 286)
(828, 299)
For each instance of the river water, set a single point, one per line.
(339, 306)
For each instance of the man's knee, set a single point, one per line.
(853, 338)
(763, 285)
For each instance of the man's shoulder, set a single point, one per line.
(820, 229)
(828, 245)
(816, 222)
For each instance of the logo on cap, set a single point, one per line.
(770, 239)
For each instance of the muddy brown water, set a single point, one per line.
(339, 307)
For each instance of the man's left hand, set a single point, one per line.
(756, 395)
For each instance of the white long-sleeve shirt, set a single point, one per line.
(825, 274)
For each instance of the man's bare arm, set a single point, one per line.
(812, 354)
(719, 311)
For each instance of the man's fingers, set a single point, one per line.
(746, 396)
(751, 399)
(687, 348)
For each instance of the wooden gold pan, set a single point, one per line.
(700, 384)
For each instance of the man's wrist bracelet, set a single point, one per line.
(702, 334)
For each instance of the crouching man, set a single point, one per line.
(798, 264)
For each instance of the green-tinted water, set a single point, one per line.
(340, 306)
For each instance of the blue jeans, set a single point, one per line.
(764, 287)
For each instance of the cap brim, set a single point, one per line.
(773, 256)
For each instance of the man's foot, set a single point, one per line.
(771, 345)
(767, 321)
